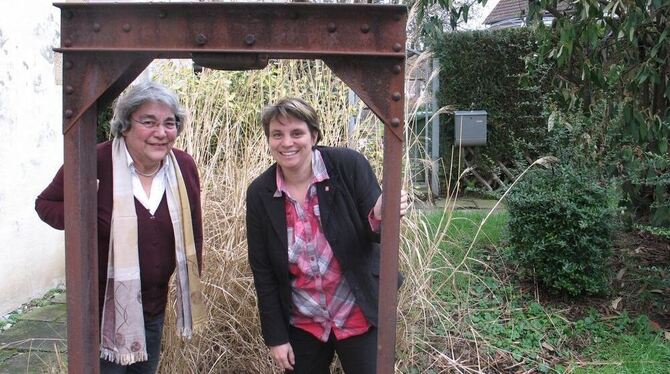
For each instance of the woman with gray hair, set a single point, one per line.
(149, 225)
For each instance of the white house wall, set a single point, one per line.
(32, 256)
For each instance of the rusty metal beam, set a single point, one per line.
(380, 83)
(96, 78)
(388, 274)
(81, 243)
(89, 81)
(106, 45)
(295, 29)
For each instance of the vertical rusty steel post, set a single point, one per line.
(380, 83)
(81, 243)
(388, 273)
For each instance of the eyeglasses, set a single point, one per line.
(151, 124)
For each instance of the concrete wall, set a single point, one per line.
(32, 256)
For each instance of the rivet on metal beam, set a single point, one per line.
(293, 15)
(332, 27)
(397, 47)
(397, 69)
(200, 39)
(162, 14)
(126, 27)
(69, 90)
(396, 96)
(263, 59)
(68, 14)
(250, 39)
(68, 113)
(395, 122)
(67, 42)
(96, 27)
(68, 65)
(365, 28)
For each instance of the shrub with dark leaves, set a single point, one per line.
(560, 225)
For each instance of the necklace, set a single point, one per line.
(148, 174)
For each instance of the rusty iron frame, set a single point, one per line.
(105, 46)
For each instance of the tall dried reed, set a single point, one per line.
(226, 139)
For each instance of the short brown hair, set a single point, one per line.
(291, 107)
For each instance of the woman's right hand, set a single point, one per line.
(283, 355)
(404, 205)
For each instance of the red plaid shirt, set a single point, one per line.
(321, 296)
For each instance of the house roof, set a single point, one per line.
(506, 10)
(515, 10)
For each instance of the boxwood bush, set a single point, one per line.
(559, 227)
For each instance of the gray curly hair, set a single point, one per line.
(138, 95)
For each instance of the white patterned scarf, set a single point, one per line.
(122, 331)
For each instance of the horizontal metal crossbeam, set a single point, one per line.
(295, 30)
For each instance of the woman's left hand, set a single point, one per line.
(404, 205)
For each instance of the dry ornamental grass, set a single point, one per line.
(225, 137)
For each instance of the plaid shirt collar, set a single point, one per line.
(319, 174)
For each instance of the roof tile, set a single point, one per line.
(507, 9)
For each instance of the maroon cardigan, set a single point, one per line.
(155, 233)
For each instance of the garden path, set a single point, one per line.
(37, 342)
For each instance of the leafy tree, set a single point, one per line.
(437, 17)
(617, 52)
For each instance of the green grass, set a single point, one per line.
(503, 318)
(464, 225)
(637, 350)
(459, 252)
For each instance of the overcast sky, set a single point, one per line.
(477, 21)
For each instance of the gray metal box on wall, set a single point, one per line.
(470, 127)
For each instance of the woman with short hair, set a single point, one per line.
(313, 222)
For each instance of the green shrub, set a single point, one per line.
(559, 226)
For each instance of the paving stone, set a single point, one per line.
(48, 313)
(461, 203)
(6, 354)
(465, 204)
(486, 204)
(35, 335)
(35, 362)
(59, 298)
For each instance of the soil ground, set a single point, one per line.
(639, 283)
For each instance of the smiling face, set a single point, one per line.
(291, 144)
(149, 146)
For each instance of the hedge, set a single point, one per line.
(483, 70)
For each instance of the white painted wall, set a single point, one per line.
(32, 255)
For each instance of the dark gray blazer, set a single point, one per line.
(345, 200)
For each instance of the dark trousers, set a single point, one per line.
(357, 354)
(154, 332)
